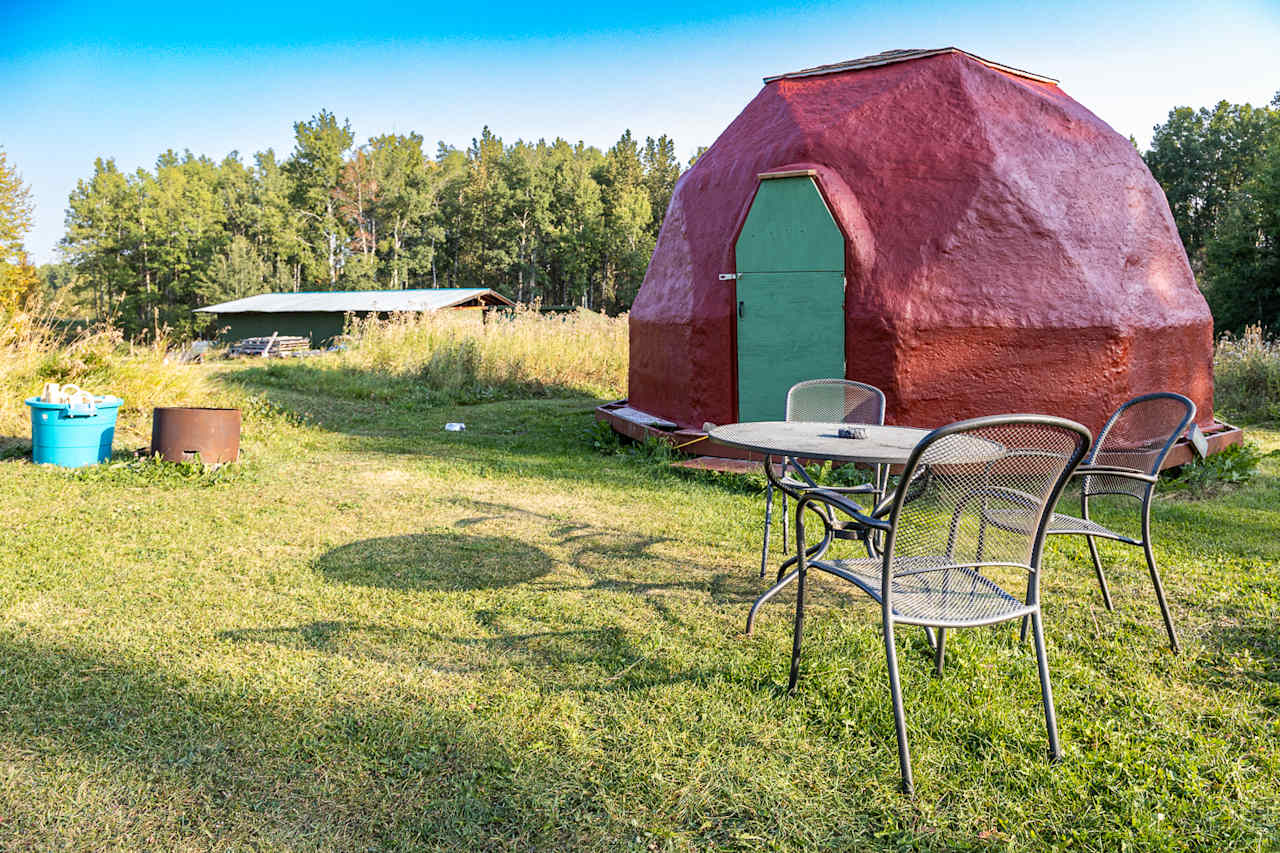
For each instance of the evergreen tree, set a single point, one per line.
(661, 171)
(627, 242)
(408, 185)
(18, 278)
(319, 155)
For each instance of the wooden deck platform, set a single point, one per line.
(707, 455)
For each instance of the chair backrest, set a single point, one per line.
(978, 492)
(1138, 435)
(835, 401)
(1141, 433)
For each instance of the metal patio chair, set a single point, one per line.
(1125, 461)
(823, 401)
(939, 552)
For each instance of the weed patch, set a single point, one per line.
(156, 471)
(1205, 478)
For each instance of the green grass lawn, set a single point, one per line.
(379, 635)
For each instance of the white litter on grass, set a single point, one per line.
(453, 426)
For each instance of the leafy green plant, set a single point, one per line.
(1233, 466)
(604, 439)
(827, 474)
(651, 450)
(654, 450)
(156, 471)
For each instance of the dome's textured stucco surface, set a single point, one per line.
(1006, 251)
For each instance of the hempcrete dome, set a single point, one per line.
(1004, 249)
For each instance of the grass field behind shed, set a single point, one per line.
(383, 636)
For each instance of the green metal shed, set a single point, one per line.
(321, 315)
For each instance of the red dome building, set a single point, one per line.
(961, 234)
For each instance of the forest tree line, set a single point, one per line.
(556, 223)
(551, 222)
(1220, 169)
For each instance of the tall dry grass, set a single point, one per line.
(459, 355)
(34, 350)
(416, 360)
(1246, 372)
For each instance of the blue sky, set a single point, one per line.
(128, 80)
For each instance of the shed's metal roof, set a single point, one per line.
(889, 57)
(343, 301)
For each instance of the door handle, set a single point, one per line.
(740, 308)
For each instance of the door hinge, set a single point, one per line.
(728, 276)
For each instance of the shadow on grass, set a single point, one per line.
(599, 550)
(434, 561)
(15, 447)
(166, 762)
(1242, 652)
(573, 660)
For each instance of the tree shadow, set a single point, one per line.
(598, 549)
(353, 640)
(570, 660)
(174, 762)
(434, 561)
(1242, 652)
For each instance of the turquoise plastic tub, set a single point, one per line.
(72, 441)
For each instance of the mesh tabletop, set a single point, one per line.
(890, 445)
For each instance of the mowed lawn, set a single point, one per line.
(379, 635)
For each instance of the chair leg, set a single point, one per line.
(1155, 581)
(1097, 568)
(768, 523)
(899, 716)
(799, 629)
(1046, 692)
(939, 651)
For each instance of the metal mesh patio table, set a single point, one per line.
(880, 445)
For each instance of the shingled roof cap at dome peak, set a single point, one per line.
(889, 57)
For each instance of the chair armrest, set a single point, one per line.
(1115, 471)
(791, 463)
(860, 489)
(848, 507)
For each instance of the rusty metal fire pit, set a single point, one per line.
(179, 433)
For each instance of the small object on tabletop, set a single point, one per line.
(852, 432)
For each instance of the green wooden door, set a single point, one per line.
(790, 291)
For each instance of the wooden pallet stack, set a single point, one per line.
(275, 345)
